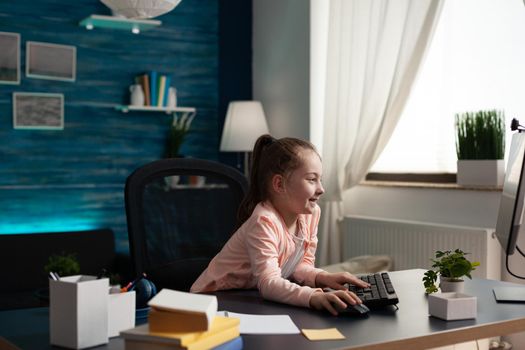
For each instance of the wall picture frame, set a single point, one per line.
(9, 58)
(51, 61)
(38, 111)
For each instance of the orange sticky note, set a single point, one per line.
(322, 334)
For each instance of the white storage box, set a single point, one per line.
(78, 311)
(452, 306)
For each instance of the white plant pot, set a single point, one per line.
(448, 285)
(481, 172)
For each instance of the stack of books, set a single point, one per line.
(185, 321)
(155, 87)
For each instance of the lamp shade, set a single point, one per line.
(245, 122)
(140, 8)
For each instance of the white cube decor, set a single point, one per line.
(78, 311)
(481, 172)
(452, 306)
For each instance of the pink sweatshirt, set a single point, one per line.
(253, 256)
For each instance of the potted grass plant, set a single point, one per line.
(480, 147)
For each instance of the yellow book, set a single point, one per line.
(221, 328)
(203, 344)
(174, 321)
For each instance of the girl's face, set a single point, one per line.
(303, 187)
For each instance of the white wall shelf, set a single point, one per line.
(133, 25)
(184, 111)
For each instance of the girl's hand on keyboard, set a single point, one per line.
(337, 280)
(334, 301)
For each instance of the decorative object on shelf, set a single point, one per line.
(451, 267)
(480, 147)
(51, 61)
(10, 58)
(136, 95)
(38, 111)
(140, 8)
(133, 25)
(172, 97)
(178, 131)
(244, 123)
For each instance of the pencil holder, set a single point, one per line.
(78, 311)
(121, 312)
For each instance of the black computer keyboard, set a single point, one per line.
(381, 292)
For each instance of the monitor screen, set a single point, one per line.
(510, 215)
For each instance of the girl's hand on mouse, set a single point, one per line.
(337, 280)
(334, 301)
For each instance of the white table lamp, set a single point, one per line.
(244, 123)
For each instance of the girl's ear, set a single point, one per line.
(278, 183)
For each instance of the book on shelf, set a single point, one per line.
(166, 91)
(145, 86)
(162, 88)
(234, 344)
(170, 307)
(153, 84)
(223, 329)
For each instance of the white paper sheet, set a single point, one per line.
(263, 324)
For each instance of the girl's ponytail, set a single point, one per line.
(254, 194)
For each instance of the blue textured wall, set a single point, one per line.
(73, 179)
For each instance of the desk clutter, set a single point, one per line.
(180, 320)
(83, 313)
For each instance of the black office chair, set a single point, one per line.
(180, 212)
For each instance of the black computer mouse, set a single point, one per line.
(355, 310)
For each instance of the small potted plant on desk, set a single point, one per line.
(451, 267)
(64, 264)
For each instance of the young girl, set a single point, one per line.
(274, 248)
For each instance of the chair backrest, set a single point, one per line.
(180, 213)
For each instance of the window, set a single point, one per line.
(476, 61)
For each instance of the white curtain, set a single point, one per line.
(374, 51)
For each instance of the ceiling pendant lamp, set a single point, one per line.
(140, 9)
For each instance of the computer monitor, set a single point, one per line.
(510, 215)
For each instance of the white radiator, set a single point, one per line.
(412, 244)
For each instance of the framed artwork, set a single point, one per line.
(38, 111)
(51, 61)
(9, 58)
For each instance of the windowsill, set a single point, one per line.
(428, 185)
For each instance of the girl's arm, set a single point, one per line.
(306, 272)
(262, 245)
